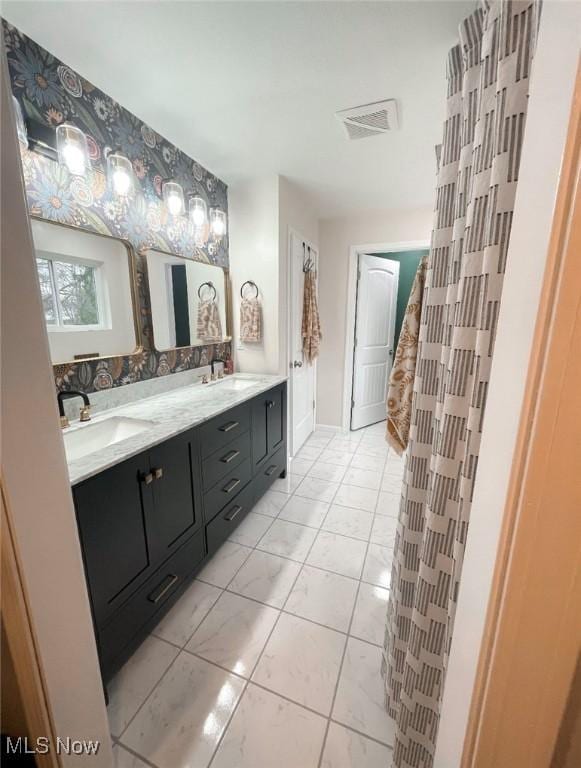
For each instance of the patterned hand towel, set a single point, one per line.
(401, 380)
(311, 327)
(250, 320)
(209, 325)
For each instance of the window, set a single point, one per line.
(70, 292)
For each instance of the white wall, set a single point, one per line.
(118, 338)
(254, 243)
(551, 91)
(336, 236)
(36, 480)
(260, 214)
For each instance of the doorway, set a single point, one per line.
(373, 324)
(302, 375)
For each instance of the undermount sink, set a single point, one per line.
(232, 383)
(89, 438)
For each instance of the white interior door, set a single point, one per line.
(301, 373)
(374, 338)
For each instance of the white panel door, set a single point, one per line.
(301, 373)
(374, 338)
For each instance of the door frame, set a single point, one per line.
(292, 232)
(350, 309)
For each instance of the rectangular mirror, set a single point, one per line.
(190, 301)
(86, 286)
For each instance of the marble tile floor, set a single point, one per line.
(272, 655)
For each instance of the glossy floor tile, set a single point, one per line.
(346, 749)
(348, 522)
(180, 724)
(220, 570)
(266, 578)
(234, 633)
(370, 612)
(295, 602)
(251, 529)
(188, 613)
(304, 511)
(301, 661)
(360, 694)
(324, 597)
(338, 554)
(135, 681)
(288, 540)
(270, 732)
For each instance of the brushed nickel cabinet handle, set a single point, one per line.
(230, 456)
(271, 470)
(231, 485)
(161, 589)
(235, 511)
(270, 403)
(158, 473)
(228, 427)
(147, 478)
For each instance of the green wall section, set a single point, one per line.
(408, 265)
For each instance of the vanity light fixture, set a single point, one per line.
(173, 197)
(218, 223)
(120, 174)
(72, 149)
(198, 212)
(20, 124)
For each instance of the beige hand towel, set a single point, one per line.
(209, 326)
(401, 380)
(250, 320)
(311, 326)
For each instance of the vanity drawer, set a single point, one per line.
(219, 431)
(270, 470)
(148, 601)
(226, 489)
(228, 519)
(224, 460)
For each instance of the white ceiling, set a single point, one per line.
(248, 88)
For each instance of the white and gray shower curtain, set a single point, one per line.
(488, 82)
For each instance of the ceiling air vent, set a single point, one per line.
(369, 119)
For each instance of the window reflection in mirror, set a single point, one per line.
(188, 301)
(86, 290)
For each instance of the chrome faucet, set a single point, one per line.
(84, 413)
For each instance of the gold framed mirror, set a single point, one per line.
(88, 289)
(191, 302)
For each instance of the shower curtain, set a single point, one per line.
(488, 79)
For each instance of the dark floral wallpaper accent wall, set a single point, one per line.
(51, 92)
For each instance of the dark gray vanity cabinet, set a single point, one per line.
(148, 524)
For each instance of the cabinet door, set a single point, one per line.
(112, 509)
(275, 418)
(259, 431)
(175, 514)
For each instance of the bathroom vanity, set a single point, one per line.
(154, 504)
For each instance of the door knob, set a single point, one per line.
(297, 364)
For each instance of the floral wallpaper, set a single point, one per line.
(51, 92)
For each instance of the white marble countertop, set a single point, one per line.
(171, 413)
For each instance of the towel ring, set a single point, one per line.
(249, 282)
(210, 285)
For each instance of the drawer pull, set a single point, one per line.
(235, 511)
(146, 477)
(158, 473)
(271, 470)
(229, 427)
(231, 485)
(270, 403)
(160, 591)
(230, 456)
